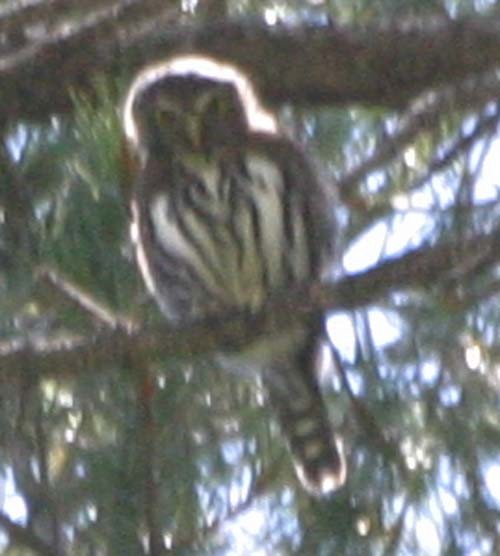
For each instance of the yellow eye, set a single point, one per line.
(165, 116)
(212, 102)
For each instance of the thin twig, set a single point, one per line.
(425, 114)
(84, 301)
(363, 415)
(259, 487)
(486, 124)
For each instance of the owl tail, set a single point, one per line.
(300, 409)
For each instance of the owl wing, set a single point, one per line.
(291, 380)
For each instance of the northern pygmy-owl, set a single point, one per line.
(226, 211)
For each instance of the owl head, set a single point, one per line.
(191, 105)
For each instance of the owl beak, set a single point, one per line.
(194, 132)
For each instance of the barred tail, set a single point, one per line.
(300, 409)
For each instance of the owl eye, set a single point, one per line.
(165, 116)
(213, 102)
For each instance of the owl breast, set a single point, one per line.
(226, 236)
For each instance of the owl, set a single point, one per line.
(226, 211)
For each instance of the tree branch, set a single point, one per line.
(422, 268)
(330, 64)
(99, 311)
(423, 116)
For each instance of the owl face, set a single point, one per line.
(189, 115)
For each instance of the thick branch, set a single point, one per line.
(419, 269)
(330, 64)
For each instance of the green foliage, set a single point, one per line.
(85, 233)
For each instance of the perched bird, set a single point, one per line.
(226, 211)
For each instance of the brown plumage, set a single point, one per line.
(225, 212)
